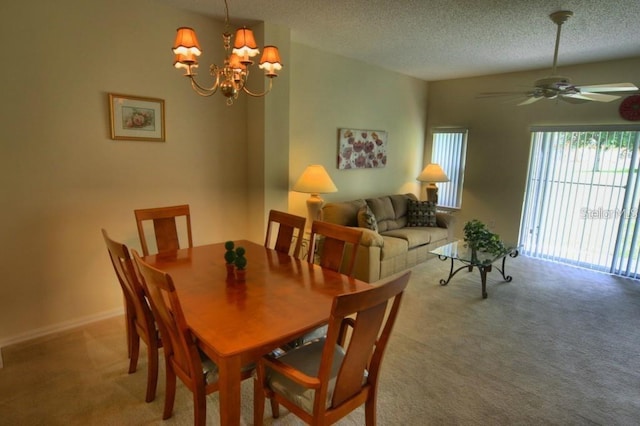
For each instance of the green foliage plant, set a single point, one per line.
(479, 237)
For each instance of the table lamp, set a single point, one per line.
(315, 181)
(431, 174)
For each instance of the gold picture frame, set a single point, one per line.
(136, 118)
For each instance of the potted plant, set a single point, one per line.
(241, 263)
(230, 257)
(479, 238)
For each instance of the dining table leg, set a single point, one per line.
(229, 382)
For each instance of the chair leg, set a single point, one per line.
(370, 412)
(258, 402)
(275, 408)
(130, 329)
(152, 370)
(199, 408)
(170, 393)
(134, 351)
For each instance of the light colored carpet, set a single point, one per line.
(557, 346)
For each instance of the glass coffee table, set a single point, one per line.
(459, 251)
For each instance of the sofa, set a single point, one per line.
(398, 232)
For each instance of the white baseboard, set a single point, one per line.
(66, 325)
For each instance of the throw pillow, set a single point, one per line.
(421, 213)
(366, 218)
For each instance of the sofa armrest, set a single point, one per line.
(444, 219)
(371, 238)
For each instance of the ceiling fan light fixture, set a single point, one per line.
(556, 86)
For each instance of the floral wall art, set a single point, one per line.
(136, 118)
(361, 149)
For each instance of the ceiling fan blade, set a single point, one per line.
(611, 87)
(571, 99)
(598, 97)
(531, 100)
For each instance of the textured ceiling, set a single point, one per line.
(443, 39)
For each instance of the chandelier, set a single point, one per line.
(232, 77)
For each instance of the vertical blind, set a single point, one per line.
(449, 151)
(581, 199)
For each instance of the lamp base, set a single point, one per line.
(314, 209)
(432, 193)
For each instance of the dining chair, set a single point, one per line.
(328, 244)
(323, 381)
(334, 246)
(289, 226)
(139, 320)
(164, 226)
(182, 356)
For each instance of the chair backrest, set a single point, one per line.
(289, 225)
(365, 313)
(137, 307)
(334, 245)
(164, 226)
(179, 345)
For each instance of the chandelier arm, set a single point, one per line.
(257, 95)
(201, 90)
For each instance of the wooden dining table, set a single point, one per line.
(234, 322)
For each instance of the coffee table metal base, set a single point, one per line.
(484, 269)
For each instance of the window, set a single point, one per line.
(449, 150)
(581, 199)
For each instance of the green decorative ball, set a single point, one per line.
(229, 245)
(241, 262)
(240, 251)
(230, 256)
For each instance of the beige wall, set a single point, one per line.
(499, 133)
(329, 92)
(62, 176)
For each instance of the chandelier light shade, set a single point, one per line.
(270, 61)
(315, 181)
(186, 43)
(431, 174)
(232, 76)
(245, 45)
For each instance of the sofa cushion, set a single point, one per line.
(393, 247)
(417, 236)
(343, 213)
(421, 213)
(383, 210)
(366, 218)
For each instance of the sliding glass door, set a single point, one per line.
(582, 196)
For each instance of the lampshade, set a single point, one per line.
(433, 173)
(186, 42)
(270, 61)
(245, 44)
(315, 180)
(235, 63)
(183, 61)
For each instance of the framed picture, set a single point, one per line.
(362, 149)
(136, 118)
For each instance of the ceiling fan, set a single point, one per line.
(559, 87)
